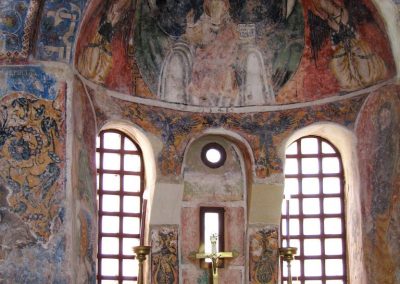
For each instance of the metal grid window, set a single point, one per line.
(120, 185)
(314, 206)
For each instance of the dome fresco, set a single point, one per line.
(234, 53)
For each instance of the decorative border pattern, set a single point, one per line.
(26, 38)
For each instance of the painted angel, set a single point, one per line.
(353, 63)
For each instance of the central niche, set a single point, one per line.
(218, 53)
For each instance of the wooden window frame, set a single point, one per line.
(121, 193)
(321, 195)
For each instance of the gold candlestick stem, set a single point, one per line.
(141, 253)
(288, 254)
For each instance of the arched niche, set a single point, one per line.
(345, 141)
(224, 187)
(256, 90)
(175, 74)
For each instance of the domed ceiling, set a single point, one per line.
(234, 53)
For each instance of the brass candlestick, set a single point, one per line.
(141, 252)
(288, 254)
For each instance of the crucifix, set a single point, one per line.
(214, 256)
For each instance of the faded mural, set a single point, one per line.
(235, 53)
(264, 255)
(32, 208)
(57, 29)
(379, 152)
(17, 23)
(164, 255)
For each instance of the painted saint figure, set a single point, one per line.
(354, 64)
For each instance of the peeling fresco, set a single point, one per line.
(264, 255)
(84, 184)
(58, 28)
(32, 196)
(17, 26)
(164, 255)
(379, 152)
(235, 53)
(31, 80)
(32, 161)
(264, 131)
(105, 48)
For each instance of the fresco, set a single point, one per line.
(57, 29)
(84, 185)
(221, 184)
(219, 53)
(105, 50)
(32, 208)
(17, 24)
(164, 255)
(379, 152)
(265, 132)
(30, 79)
(234, 53)
(264, 255)
(32, 159)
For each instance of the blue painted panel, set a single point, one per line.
(29, 79)
(58, 28)
(13, 15)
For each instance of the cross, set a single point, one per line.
(215, 257)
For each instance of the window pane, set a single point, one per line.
(111, 161)
(294, 206)
(109, 267)
(112, 141)
(291, 166)
(333, 226)
(331, 185)
(111, 182)
(131, 183)
(294, 227)
(332, 205)
(110, 203)
(310, 186)
(132, 204)
(309, 146)
(128, 145)
(130, 267)
(312, 267)
(330, 165)
(110, 224)
(292, 186)
(128, 244)
(296, 268)
(311, 282)
(309, 166)
(131, 225)
(292, 149)
(97, 160)
(312, 247)
(333, 247)
(327, 149)
(311, 206)
(334, 267)
(311, 226)
(132, 163)
(109, 245)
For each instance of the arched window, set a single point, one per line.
(120, 186)
(314, 206)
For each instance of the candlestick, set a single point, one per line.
(141, 252)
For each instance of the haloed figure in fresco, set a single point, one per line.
(95, 61)
(354, 64)
(214, 36)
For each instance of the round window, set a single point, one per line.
(213, 155)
